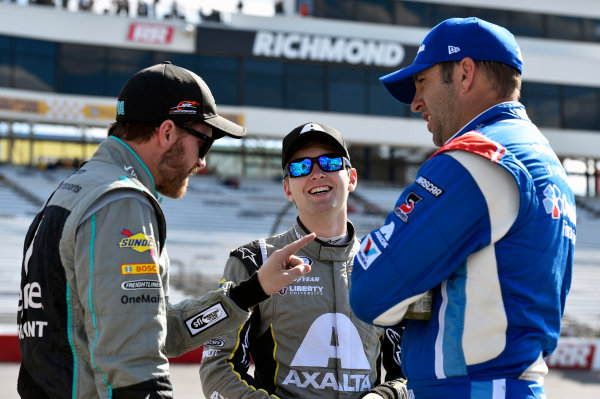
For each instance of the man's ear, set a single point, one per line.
(353, 179)
(465, 74)
(287, 191)
(166, 134)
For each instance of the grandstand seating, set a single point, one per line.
(214, 218)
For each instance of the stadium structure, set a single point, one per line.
(312, 60)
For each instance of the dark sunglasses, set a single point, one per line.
(207, 141)
(304, 166)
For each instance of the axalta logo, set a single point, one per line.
(185, 107)
(342, 343)
(368, 252)
(327, 48)
(139, 268)
(403, 210)
(205, 319)
(384, 234)
(138, 242)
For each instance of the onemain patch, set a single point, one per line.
(205, 319)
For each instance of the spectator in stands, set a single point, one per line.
(488, 225)
(305, 342)
(121, 6)
(94, 318)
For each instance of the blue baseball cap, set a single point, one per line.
(453, 40)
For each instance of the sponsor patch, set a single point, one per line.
(384, 234)
(70, 187)
(139, 268)
(402, 211)
(206, 319)
(368, 252)
(185, 107)
(210, 352)
(215, 342)
(141, 299)
(429, 186)
(307, 261)
(138, 242)
(141, 284)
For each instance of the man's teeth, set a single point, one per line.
(319, 190)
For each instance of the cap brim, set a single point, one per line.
(401, 84)
(225, 127)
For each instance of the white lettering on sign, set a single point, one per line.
(150, 33)
(572, 356)
(327, 48)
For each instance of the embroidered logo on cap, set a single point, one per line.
(311, 126)
(453, 49)
(185, 107)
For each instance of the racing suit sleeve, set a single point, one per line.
(446, 215)
(226, 358)
(190, 324)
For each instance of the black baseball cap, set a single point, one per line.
(308, 132)
(166, 91)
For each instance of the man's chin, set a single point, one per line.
(174, 192)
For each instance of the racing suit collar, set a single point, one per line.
(115, 150)
(505, 110)
(325, 251)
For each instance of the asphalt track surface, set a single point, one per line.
(560, 384)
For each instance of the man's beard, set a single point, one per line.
(173, 172)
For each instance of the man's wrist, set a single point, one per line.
(248, 293)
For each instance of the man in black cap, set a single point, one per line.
(305, 341)
(93, 315)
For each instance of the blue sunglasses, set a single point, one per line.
(328, 163)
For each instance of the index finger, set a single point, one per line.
(295, 246)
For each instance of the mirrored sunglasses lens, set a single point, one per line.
(329, 164)
(301, 168)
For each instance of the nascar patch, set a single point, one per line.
(205, 319)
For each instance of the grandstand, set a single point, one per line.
(209, 221)
(213, 218)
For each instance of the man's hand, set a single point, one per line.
(283, 267)
(395, 389)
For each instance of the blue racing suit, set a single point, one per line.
(489, 227)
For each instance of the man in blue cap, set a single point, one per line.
(488, 226)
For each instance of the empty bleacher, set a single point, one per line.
(213, 218)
